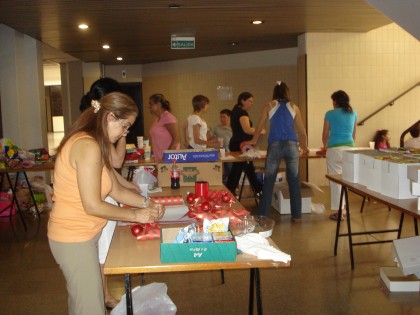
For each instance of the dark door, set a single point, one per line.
(135, 91)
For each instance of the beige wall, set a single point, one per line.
(255, 72)
(373, 68)
(181, 88)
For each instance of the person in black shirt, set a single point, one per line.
(242, 130)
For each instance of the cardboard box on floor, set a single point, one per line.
(407, 253)
(281, 198)
(191, 173)
(396, 281)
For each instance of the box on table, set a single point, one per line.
(171, 252)
(351, 164)
(395, 183)
(396, 281)
(413, 173)
(407, 253)
(374, 174)
(415, 188)
(281, 198)
(191, 173)
(190, 156)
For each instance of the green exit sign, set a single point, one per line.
(182, 42)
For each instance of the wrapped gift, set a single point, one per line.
(146, 231)
(169, 200)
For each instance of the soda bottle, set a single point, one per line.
(175, 175)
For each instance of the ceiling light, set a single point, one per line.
(174, 6)
(119, 58)
(234, 44)
(83, 26)
(257, 22)
(106, 46)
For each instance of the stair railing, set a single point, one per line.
(390, 103)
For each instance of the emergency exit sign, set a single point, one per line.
(182, 42)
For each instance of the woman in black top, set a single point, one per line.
(242, 130)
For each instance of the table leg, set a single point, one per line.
(401, 225)
(416, 229)
(251, 291)
(255, 279)
(337, 230)
(14, 200)
(128, 297)
(346, 196)
(32, 194)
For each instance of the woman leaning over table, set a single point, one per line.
(285, 121)
(83, 177)
(164, 131)
(338, 135)
(242, 130)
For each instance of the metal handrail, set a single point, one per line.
(390, 103)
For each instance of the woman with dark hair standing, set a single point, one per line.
(285, 121)
(164, 131)
(83, 177)
(99, 89)
(242, 130)
(338, 135)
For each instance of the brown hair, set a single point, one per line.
(95, 124)
(199, 102)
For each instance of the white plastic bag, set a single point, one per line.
(143, 176)
(151, 299)
(317, 208)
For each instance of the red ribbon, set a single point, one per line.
(218, 208)
(150, 231)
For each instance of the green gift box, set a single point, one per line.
(171, 252)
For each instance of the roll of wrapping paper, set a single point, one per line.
(169, 200)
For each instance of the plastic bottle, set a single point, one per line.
(175, 175)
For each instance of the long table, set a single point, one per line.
(405, 206)
(129, 256)
(5, 173)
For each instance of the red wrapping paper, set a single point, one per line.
(150, 231)
(168, 200)
(218, 208)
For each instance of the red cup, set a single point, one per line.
(202, 189)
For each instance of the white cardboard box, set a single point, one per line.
(415, 189)
(281, 198)
(374, 174)
(407, 253)
(413, 173)
(351, 164)
(396, 281)
(395, 183)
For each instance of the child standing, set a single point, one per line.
(382, 139)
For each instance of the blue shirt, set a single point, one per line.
(282, 124)
(341, 127)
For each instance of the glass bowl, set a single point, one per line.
(253, 223)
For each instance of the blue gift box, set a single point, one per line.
(189, 156)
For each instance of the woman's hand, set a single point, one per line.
(150, 214)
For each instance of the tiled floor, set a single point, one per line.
(316, 283)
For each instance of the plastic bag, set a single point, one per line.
(151, 299)
(317, 208)
(143, 176)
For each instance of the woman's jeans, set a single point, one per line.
(289, 151)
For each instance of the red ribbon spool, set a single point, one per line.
(202, 189)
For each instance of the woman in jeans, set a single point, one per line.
(283, 143)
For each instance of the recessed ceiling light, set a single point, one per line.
(174, 6)
(234, 44)
(106, 46)
(119, 58)
(257, 22)
(83, 26)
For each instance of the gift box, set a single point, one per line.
(171, 252)
(169, 200)
(189, 156)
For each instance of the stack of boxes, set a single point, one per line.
(413, 174)
(379, 171)
(195, 165)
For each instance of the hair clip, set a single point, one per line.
(278, 82)
(96, 105)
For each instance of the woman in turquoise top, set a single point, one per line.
(338, 135)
